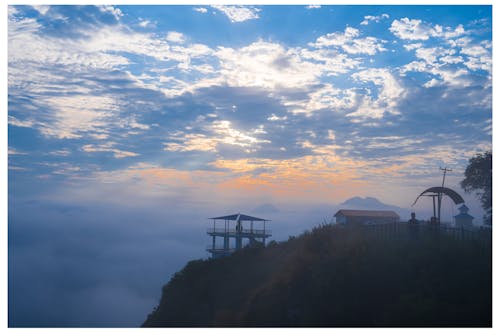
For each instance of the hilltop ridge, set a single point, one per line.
(334, 276)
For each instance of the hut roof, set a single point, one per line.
(367, 213)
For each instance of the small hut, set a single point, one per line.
(364, 217)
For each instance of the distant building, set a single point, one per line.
(364, 217)
(464, 220)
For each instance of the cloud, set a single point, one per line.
(100, 49)
(274, 117)
(452, 63)
(291, 75)
(143, 23)
(202, 10)
(108, 147)
(67, 21)
(273, 66)
(413, 46)
(449, 32)
(81, 66)
(13, 151)
(388, 97)
(430, 55)
(62, 152)
(445, 69)
(349, 43)
(20, 123)
(376, 19)
(266, 65)
(74, 115)
(233, 181)
(260, 64)
(478, 56)
(42, 9)
(175, 37)
(413, 29)
(328, 98)
(28, 46)
(94, 266)
(313, 7)
(116, 12)
(219, 132)
(239, 13)
(190, 142)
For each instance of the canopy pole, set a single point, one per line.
(434, 205)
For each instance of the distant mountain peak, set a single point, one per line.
(265, 209)
(368, 201)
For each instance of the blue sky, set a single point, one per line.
(169, 114)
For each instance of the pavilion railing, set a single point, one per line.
(233, 231)
(219, 249)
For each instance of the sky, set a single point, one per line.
(129, 126)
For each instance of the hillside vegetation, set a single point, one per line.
(335, 276)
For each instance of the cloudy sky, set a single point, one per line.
(129, 125)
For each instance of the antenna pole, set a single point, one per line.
(440, 197)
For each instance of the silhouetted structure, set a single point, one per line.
(362, 217)
(438, 192)
(464, 220)
(237, 231)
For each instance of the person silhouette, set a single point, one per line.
(413, 220)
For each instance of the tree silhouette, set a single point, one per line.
(478, 177)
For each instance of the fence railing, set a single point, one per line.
(251, 232)
(408, 231)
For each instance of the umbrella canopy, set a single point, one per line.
(457, 199)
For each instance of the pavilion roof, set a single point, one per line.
(234, 217)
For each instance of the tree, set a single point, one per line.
(478, 177)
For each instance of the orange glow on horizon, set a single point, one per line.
(324, 178)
